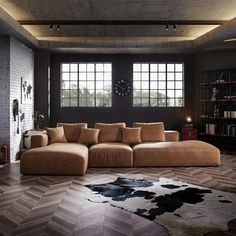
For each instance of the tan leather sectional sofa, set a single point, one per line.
(113, 145)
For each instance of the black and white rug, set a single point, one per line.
(182, 208)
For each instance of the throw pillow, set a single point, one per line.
(110, 132)
(72, 131)
(151, 132)
(56, 135)
(131, 135)
(89, 136)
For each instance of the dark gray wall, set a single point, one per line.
(42, 84)
(121, 109)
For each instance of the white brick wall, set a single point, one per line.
(21, 65)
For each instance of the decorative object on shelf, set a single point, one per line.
(38, 118)
(214, 94)
(122, 87)
(216, 111)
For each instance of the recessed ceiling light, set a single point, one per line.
(230, 40)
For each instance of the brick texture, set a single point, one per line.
(21, 66)
(16, 62)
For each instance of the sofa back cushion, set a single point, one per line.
(56, 135)
(131, 135)
(151, 132)
(72, 131)
(110, 132)
(88, 136)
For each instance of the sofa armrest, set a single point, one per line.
(39, 140)
(171, 135)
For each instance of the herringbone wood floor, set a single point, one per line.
(56, 205)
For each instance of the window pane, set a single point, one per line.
(74, 76)
(179, 67)
(99, 76)
(153, 67)
(170, 84)
(162, 67)
(82, 67)
(65, 102)
(171, 102)
(161, 84)
(153, 85)
(136, 85)
(145, 85)
(136, 67)
(178, 76)
(90, 67)
(153, 102)
(145, 76)
(107, 67)
(171, 67)
(178, 85)
(73, 67)
(162, 76)
(65, 93)
(170, 76)
(171, 93)
(99, 67)
(107, 76)
(153, 76)
(65, 67)
(74, 93)
(178, 93)
(65, 85)
(90, 76)
(137, 76)
(73, 85)
(65, 76)
(145, 67)
(82, 76)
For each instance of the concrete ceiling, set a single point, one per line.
(123, 38)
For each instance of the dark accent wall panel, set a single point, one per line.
(121, 109)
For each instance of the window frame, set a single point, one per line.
(166, 80)
(78, 98)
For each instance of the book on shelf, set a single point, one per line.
(211, 129)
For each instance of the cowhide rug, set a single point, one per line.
(182, 208)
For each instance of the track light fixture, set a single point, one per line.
(58, 27)
(167, 27)
(51, 27)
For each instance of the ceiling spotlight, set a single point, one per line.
(174, 27)
(51, 26)
(167, 27)
(58, 27)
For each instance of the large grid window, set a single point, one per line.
(158, 84)
(86, 84)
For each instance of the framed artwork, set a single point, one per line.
(26, 91)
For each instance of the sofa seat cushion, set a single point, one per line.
(185, 153)
(110, 155)
(56, 158)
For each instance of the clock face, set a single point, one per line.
(122, 87)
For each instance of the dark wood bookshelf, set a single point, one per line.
(217, 97)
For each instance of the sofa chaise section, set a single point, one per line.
(56, 158)
(184, 153)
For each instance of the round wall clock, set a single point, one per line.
(122, 87)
